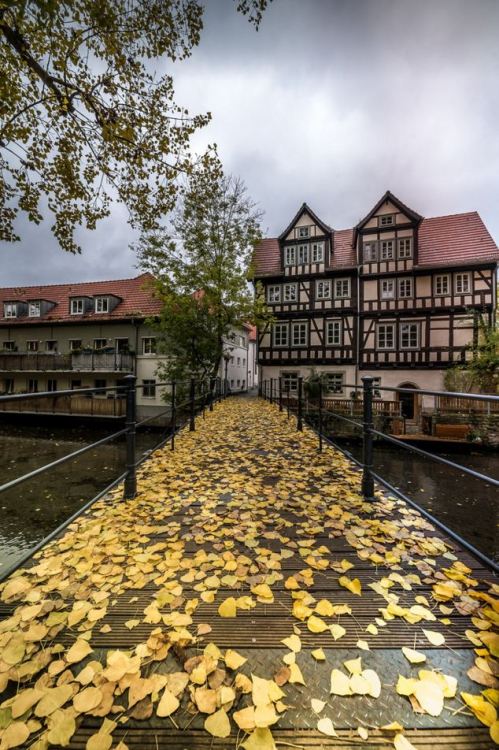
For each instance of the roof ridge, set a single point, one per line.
(451, 216)
(77, 283)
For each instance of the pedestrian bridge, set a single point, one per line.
(249, 596)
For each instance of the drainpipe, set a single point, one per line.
(357, 336)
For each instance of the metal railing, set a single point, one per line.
(82, 361)
(187, 400)
(293, 400)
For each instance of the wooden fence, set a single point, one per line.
(77, 405)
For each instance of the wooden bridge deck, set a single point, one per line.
(245, 512)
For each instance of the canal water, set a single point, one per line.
(32, 510)
(466, 505)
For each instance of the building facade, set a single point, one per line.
(239, 367)
(90, 335)
(397, 297)
(68, 336)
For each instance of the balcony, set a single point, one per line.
(92, 361)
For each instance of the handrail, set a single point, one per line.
(424, 392)
(211, 391)
(369, 432)
(437, 459)
(59, 461)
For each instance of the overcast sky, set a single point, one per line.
(332, 102)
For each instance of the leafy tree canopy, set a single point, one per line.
(83, 119)
(201, 263)
(481, 371)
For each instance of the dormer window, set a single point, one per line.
(77, 306)
(102, 304)
(387, 220)
(303, 254)
(317, 252)
(10, 310)
(34, 309)
(303, 232)
(290, 256)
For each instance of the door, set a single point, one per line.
(407, 401)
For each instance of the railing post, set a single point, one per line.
(130, 489)
(192, 421)
(271, 390)
(367, 439)
(212, 388)
(288, 396)
(320, 416)
(299, 421)
(174, 413)
(280, 394)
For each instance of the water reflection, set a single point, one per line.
(32, 510)
(467, 505)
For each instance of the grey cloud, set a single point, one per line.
(332, 102)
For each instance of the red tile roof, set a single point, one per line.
(252, 333)
(267, 258)
(458, 239)
(455, 239)
(136, 297)
(343, 249)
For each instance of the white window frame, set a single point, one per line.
(404, 247)
(283, 340)
(411, 325)
(458, 281)
(386, 220)
(101, 341)
(273, 294)
(10, 310)
(52, 385)
(303, 232)
(326, 291)
(385, 326)
(9, 346)
(299, 325)
(72, 343)
(401, 284)
(370, 251)
(32, 345)
(387, 288)
(334, 333)
(75, 304)
(49, 347)
(387, 249)
(317, 252)
(303, 255)
(34, 309)
(102, 304)
(149, 388)
(292, 377)
(342, 281)
(148, 349)
(438, 281)
(290, 255)
(339, 388)
(290, 293)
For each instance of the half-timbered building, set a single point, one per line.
(397, 297)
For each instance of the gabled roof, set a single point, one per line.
(267, 255)
(304, 209)
(457, 239)
(389, 196)
(136, 295)
(454, 240)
